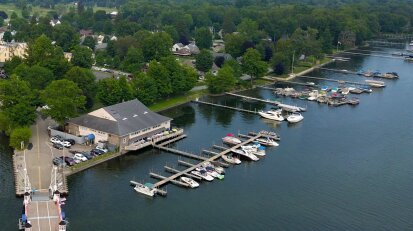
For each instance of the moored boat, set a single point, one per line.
(146, 189)
(272, 115)
(295, 118)
(291, 108)
(255, 149)
(203, 174)
(267, 142)
(375, 83)
(345, 91)
(231, 140)
(190, 182)
(231, 159)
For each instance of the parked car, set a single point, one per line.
(79, 156)
(71, 141)
(66, 144)
(104, 150)
(87, 155)
(69, 161)
(58, 161)
(58, 146)
(97, 151)
(55, 140)
(93, 154)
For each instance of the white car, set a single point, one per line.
(102, 149)
(66, 144)
(79, 156)
(55, 140)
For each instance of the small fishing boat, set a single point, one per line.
(354, 90)
(375, 83)
(334, 89)
(272, 115)
(203, 174)
(368, 74)
(267, 142)
(190, 182)
(146, 189)
(390, 75)
(210, 171)
(231, 159)
(231, 140)
(291, 108)
(366, 89)
(310, 83)
(325, 88)
(295, 118)
(218, 169)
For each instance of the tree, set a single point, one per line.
(11, 64)
(222, 82)
(252, 64)
(82, 57)
(203, 38)
(7, 37)
(182, 78)
(156, 46)
(236, 67)
(112, 91)
(219, 61)
(160, 74)
(19, 135)
(64, 98)
(133, 61)
(172, 32)
(85, 80)
(65, 36)
(234, 44)
(204, 61)
(38, 77)
(90, 42)
(145, 88)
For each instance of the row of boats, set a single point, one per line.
(378, 74)
(277, 116)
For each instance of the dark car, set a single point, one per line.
(58, 146)
(71, 141)
(87, 155)
(93, 154)
(69, 161)
(58, 161)
(97, 151)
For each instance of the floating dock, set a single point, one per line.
(272, 102)
(333, 80)
(226, 107)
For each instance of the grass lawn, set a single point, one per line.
(174, 101)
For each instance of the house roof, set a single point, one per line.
(121, 119)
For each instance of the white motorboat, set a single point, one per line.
(295, 118)
(203, 174)
(267, 142)
(254, 149)
(230, 139)
(291, 108)
(190, 182)
(375, 83)
(272, 115)
(345, 91)
(231, 159)
(249, 155)
(210, 171)
(145, 189)
(218, 169)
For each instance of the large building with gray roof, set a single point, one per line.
(120, 124)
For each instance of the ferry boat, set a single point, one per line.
(203, 174)
(375, 83)
(190, 182)
(146, 189)
(267, 142)
(231, 140)
(272, 115)
(295, 118)
(231, 159)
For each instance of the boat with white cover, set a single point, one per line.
(291, 108)
(203, 174)
(375, 83)
(231, 159)
(190, 182)
(145, 189)
(218, 169)
(272, 115)
(257, 150)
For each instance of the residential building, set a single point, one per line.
(9, 50)
(121, 124)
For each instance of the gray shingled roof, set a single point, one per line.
(131, 116)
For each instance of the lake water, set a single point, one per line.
(345, 168)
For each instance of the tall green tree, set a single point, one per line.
(90, 42)
(133, 61)
(85, 80)
(203, 38)
(82, 57)
(161, 76)
(156, 46)
(7, 37)
(234, 44)
(204, 61)
(222, 82)
(145, 88)
(64, 98)
(112, 91)
(19, 136)
(38, 77)
(252, 64)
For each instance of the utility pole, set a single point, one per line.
(292, 64)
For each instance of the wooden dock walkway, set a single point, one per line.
(333, 80)
(172, 170)
(175, 182)
(158, 190)
(272, 102)
(179, 152)
(223, 106)
(211, 159)
(173, 140)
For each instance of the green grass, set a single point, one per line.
(174, 101)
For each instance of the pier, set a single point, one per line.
(211, 160)
(175, 182)
(272, 102)
(374, 55)
(334, 80)
(226, 107)
(172, 170)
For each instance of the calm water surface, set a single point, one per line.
(346, 168)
